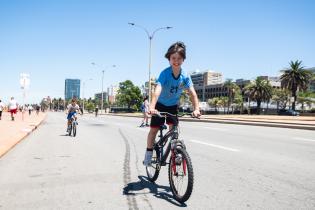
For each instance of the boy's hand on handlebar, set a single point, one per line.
(196, 114)
(153, 111)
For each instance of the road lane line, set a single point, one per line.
(215, 145)
(303, 139)
(209, 128)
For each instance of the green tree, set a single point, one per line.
(295, 78)
(184, 98)
(129, 94)
(260, 91)
(281, 97)
(90, 106)
(214, 102)
(304, 98)
(223, 102)
(44, 104)
(232, 90)
(238, 102)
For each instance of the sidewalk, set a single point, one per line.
(294, 122)
(12, 132)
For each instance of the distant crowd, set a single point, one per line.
(13, 107)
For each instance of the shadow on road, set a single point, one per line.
(159, 191)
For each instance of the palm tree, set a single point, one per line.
(223, 102)
(232, 89)
(259, 90)
(214, 102)
(238, 102)
(295, 78)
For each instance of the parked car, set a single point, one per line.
(289, 112)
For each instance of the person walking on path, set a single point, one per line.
(1, 108)
(37, 109)
(96, 110)
(30, 109)
(13, 107)
(145, 110)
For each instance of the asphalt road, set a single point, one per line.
(235, 166)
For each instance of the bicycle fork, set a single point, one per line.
(175, 159)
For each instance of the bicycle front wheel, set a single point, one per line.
(181, 175)
(74, 129)
(70, 129)
(153, 170)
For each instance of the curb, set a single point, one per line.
(241, 122)
(23, 137)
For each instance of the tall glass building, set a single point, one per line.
(72, 88)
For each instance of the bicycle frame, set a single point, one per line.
(172, 137)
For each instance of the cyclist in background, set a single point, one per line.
(72, 110)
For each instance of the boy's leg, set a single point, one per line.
(149, 150)
(151, 137)
(12, 117)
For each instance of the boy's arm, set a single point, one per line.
(195, 101)
(154, 99)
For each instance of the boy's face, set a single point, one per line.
(176, 60)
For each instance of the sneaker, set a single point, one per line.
(147, 158)
(147, 125)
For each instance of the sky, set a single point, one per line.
(59, 39)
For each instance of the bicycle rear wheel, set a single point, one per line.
(153, 170)
(181, 175)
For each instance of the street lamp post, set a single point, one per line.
(150, 37)
(102, 94)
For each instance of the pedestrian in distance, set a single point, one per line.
(30, 109)
(96, 110)
(13, 105)
(2, 106)
(37, 109)
(171, 83)
(145, 110)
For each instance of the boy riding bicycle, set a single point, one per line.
(170, 84)
(72, 110)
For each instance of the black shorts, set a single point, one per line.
(156, 122)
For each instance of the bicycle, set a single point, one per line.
(180, 165)
(72, 128)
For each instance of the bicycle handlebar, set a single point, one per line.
(164, 114)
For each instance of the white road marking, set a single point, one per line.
(303, 139)
(215, 145)
(208, 127)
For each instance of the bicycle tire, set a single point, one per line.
(153, 170)
(188, 171)
(70, 129)
(74, 128)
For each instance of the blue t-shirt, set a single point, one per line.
(172, 87)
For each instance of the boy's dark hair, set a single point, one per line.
(178, 47)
